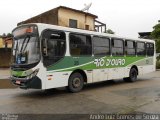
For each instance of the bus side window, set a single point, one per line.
(130, 48)
(141, 51)
(80, 45)
(117, 47)
(101, 46)
(150, 49)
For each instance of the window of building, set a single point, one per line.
(80, 45)
(87, 27)
(150, 49)
(130, 48)
(72, 23)
(141, 48)
(117, 47)
(101, 46)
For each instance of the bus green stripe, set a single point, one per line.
(87, 63)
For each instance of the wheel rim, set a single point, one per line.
(76, 82)
(134, 75)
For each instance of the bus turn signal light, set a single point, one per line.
(49, 78)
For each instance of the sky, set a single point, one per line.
(125, 17)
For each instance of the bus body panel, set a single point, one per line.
(148, 69)
(42, 74)
(57, 79)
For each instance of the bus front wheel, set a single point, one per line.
(132, 75)
(75, 83)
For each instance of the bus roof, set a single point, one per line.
(42, 26)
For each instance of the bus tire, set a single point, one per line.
(75, 83)
(132, 75)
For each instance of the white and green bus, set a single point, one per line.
(48, 56)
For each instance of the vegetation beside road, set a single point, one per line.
(158, 62)
(156, 36)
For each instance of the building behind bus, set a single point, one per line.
(68, 17)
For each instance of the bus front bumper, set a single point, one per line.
(24, 83)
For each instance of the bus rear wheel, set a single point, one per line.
(132, 75)
(75, 83)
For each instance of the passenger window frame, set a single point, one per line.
(109, 45)
(150, 49)
(140, 48)
(126, 47)
(91, 45)
(112, 46)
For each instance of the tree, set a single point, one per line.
(156, 35)
(4, 35)
(109, 31)
(9, 35)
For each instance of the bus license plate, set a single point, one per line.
(18, 82)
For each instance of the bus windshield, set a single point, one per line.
(25, 46)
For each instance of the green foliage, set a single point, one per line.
(156, 31)
(109, 31)
(158, 58)
(156, 35)
(9, 35)
(157, 45)
(157, 64)
(6, 35)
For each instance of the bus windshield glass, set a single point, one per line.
(25, 45)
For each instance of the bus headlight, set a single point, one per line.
(32, 74)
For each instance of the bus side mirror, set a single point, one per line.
(45, 48)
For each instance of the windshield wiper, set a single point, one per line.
(24, 45)
(16, 50)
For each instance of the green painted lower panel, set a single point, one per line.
(21, 73)
(89, 63)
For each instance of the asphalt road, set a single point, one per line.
(142, 96)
